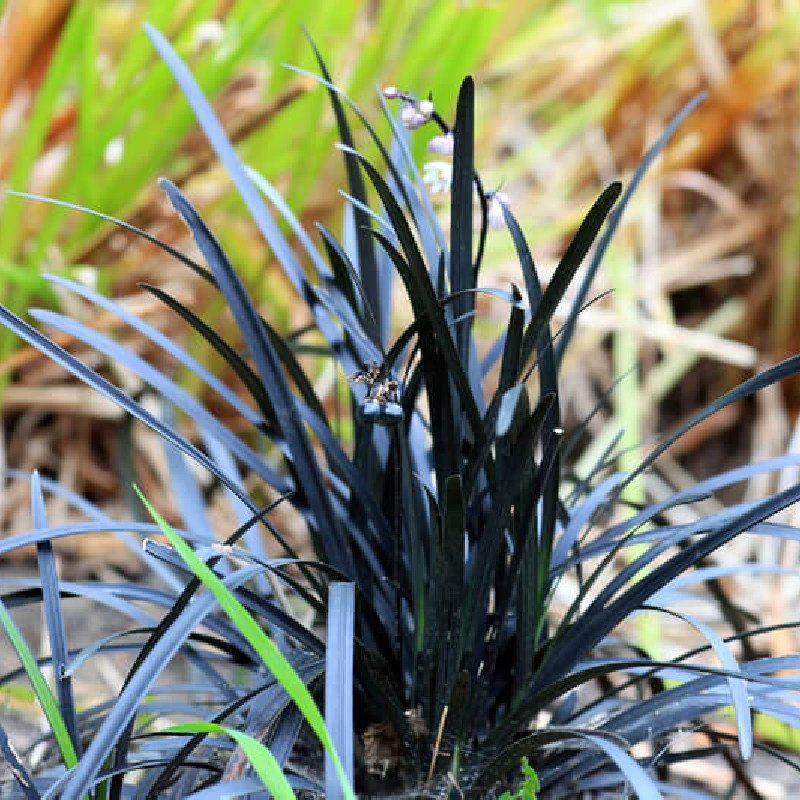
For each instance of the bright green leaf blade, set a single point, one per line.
(43, 693)
(264, 763)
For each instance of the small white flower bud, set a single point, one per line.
(425, 108)
(391, 92)
(442, 145)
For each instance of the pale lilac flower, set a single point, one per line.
(438, 175)
(442, 145)
(411, 117)
(392, 92)
(495, 216)
(425, 107)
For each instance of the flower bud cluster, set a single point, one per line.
(439, 174)
(415, 113)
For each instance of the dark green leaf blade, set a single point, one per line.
(328, 535)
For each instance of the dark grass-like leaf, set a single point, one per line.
(259, 756)
(224, 460)
(271, 699)
(670, 709)
(44, 696)
(420, 291)
(155, 336)
(485, 554)
(609, 546)
(240, 366)
(54, 616)
(170, 390)
(266, 649)
(613, 223)
(274, 196)
(504, 733)
(161, 631)
(738, 688)
(193, 265)
(580, 516)
(107, 389)
(511, 347)
(612, 746)
(697, 492)
(227, 155)
(17, 768)
(548, 385)
(450, 611)
(366, 247)
(282, 621)
(229, 355)
(241, 787)
(566, 269)
(325, 528)
(431, 246)
(227, 639)
(524, 523)
(252, 199)
(83, 775)
(185, 488)
(179, 604)
(416, 195)
(462, 275)
(339, 683)
(286, 732)
(434, 365)
(390, 164)
(412, 552)
(779, 372)
(347, 279)
(430, 663)
(599, 619)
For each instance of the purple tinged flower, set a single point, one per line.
(392, 92)
(495, 216)
(442, 145)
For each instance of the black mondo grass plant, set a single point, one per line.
(442, 523)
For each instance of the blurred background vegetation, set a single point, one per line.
(704, 274)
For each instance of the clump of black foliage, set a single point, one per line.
(449, 507)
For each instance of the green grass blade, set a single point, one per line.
(264, 763)
(43, 694)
